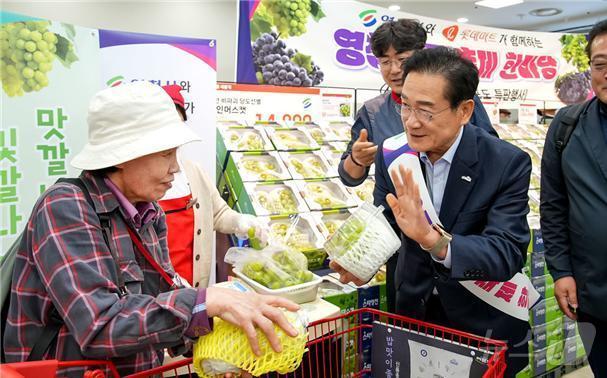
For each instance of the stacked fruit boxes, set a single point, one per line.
(288, 173)
(554, 338)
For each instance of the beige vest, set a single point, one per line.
(210, 206)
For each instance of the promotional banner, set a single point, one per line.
(163, 60)
(49, 72)
(328, 43)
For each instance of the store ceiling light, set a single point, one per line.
(545, 12)
(394, 8)
(462, 20)
(497, 4)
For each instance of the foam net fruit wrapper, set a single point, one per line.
(364, 242)
(227, 350)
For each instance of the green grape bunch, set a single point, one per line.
(265, 170)
(322, 196)
(351, 231)
(28, 50)
(289, 16)
(344, 110)
(250, 141)
(278, 201)
(574, 50)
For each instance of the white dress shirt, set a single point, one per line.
(436, 180)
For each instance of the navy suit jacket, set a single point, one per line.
(487, 218)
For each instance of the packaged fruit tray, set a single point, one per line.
(518, 132)
(333, 156)
(503, 131)
(521, 131)
(302, 233)
(330, 220)
(299, 232)
(230, 123)
(337, 145)
(316, 132)
(260, 166)
(301, 293)
(338, 131)
(325, 194)
(364, 191)
(307, 165)
(531, 147)
(294, 139)
(535, 179)
(275, 199)
(534, 202)
(537, 131)
(534, 221)
(245, 139)
(275, 270)
(269, 124)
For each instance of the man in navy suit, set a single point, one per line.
(478, 185)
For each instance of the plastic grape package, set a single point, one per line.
(364, 242)
(277, 201)
(273, 267)
(291, 235)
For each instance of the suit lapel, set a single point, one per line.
(591, 123)
(462, 178)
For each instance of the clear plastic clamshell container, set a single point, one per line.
(308, 165)
(245, 138)
(364, 242)
(260, 166)
(295, 139)
(325, 194)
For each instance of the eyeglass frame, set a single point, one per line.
(390, 62)
(430, 116)
(603, 65)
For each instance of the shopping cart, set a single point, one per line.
(338, 347)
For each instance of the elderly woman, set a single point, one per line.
(110, 284)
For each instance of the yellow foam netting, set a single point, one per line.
(229, 343)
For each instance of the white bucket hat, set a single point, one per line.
(130, 121)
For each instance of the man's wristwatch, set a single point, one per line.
(445, 239)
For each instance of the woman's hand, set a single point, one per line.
(250, 310)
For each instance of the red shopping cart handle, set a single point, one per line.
(49, 368)
(39, 369)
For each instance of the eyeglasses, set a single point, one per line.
(599, 65)
(385, 63)
(423, 116)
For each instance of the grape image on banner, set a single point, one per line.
(28, 51)
(272, 23)
(574, 87)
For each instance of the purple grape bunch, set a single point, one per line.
(573, 87)
(275, 64)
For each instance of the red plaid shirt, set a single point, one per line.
(64, 262)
